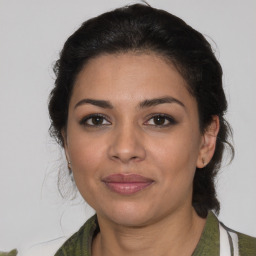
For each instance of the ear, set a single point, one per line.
(65, 145)
(208, 144)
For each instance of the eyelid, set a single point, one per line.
(86, 118)
(171, 119)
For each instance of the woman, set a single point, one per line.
(138, 106)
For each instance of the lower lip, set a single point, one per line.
(127, 188)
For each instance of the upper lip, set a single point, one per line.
(126, 178)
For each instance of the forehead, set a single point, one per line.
(129, 77)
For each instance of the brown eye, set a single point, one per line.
(95, 120)
(159, 120)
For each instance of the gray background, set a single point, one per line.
(32, 32)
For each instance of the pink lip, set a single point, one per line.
(127, 184)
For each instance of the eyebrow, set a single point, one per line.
(158, 101)
(98, 103)
(144, 104)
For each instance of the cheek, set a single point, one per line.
(87, 158)
(175, 162)
(177, 155)
(86, 155)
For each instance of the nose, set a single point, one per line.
(127, 145)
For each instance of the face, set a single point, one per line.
(133, 138)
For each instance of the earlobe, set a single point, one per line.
(209, 139)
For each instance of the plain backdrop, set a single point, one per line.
(32, 33)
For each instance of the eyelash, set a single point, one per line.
(170, 119)
(85, 120)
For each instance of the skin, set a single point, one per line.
(128, 140)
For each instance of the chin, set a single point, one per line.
(129, 215)
(130, 221)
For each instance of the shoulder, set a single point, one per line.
(11, 253)
(246, 243)
(80, 242)
(220, 239)
(63, 246)
(44, 249)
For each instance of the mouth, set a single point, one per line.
(127, 184)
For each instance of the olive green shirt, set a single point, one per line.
(209, 244)
(11, 253)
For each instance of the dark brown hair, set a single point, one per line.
(141, 28)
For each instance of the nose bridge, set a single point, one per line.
(127, 143)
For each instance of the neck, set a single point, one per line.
(172, 235)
